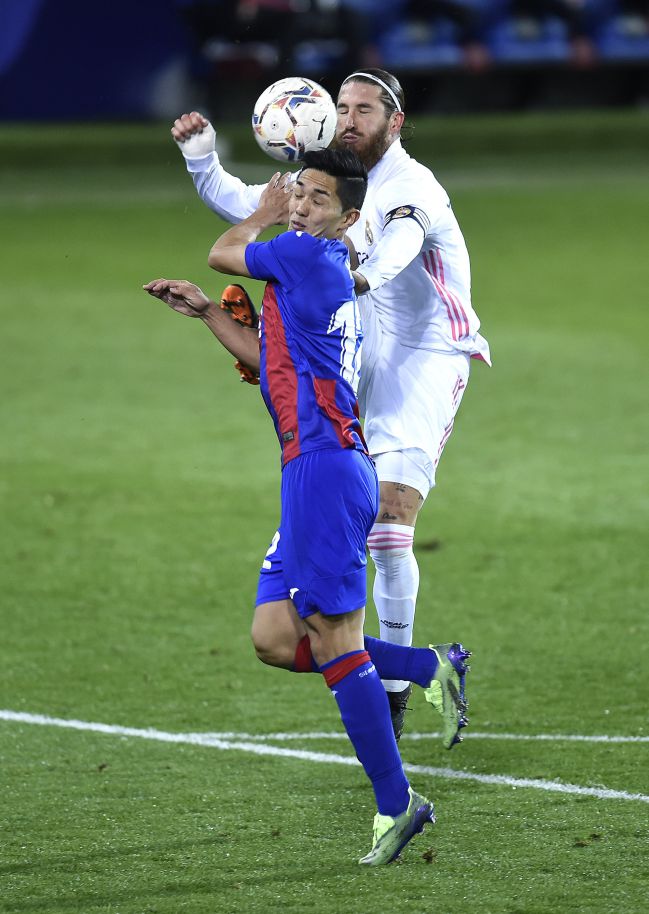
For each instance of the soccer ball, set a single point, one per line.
(293, 116)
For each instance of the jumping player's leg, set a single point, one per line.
(337, 646)
(390, 543)
(329, 502)
(280, 639)
(406, 477)
(404, 481)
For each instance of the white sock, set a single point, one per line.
(395, 586)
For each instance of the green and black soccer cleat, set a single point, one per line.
(446, 690)
(392, 835)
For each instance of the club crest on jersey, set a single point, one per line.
(409, 212)
(402, 212)
(369, 235)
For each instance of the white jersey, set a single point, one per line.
(413, 255)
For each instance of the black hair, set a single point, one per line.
(389, 80)
(348, 170)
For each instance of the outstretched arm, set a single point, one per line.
(188, 299)
(224, 193)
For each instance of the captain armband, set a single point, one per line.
(408, 212)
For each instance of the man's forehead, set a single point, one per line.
(317, 181)
(360, 91)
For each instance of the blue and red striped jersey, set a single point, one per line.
(310, 339)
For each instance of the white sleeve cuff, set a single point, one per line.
(196, 164)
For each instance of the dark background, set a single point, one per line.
(75, 60)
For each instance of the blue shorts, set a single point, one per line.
(317, 558)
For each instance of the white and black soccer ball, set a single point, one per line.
(293, 116)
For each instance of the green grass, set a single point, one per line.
(139, 490)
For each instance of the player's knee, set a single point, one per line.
(261, 642)
(391, 546)
(266, 645)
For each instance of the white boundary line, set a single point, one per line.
(515, 737)
(243, 743)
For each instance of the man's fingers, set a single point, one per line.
(156, 285)
(188, 125)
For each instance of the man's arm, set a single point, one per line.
(400, 244)
(224, 193)
(361, 285)
(228, 254)
(353, 256)
(188, 299)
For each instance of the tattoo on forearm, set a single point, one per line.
(388, 516)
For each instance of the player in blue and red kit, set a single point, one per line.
(308, 358)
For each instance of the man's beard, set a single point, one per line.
(373, 150)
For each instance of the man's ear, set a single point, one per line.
(350, 217)
(396, 123)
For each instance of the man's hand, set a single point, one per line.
(361, 285)
(194, 134)
(273, 203)
(353, 256)
(228, 254)
(181, 295)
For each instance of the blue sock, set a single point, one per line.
(365, 713)
(392, 661)
(396, 661)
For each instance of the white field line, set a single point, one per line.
(415, 737)
(215, 741)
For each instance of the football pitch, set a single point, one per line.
(149, 763)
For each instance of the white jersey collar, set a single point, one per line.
(393, 154)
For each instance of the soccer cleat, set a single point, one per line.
(249, 375)
(446, 690)
(236, 301)
(398, 707)
(392, 835)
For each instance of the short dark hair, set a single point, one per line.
(389, 79)
(348, 170)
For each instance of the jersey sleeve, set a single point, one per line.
(225, 194)
(286, 259)
(410, 210)
(399, 245)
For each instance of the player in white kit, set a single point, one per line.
(413, 280)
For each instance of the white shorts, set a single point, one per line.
(411, 467)
(410, 400)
